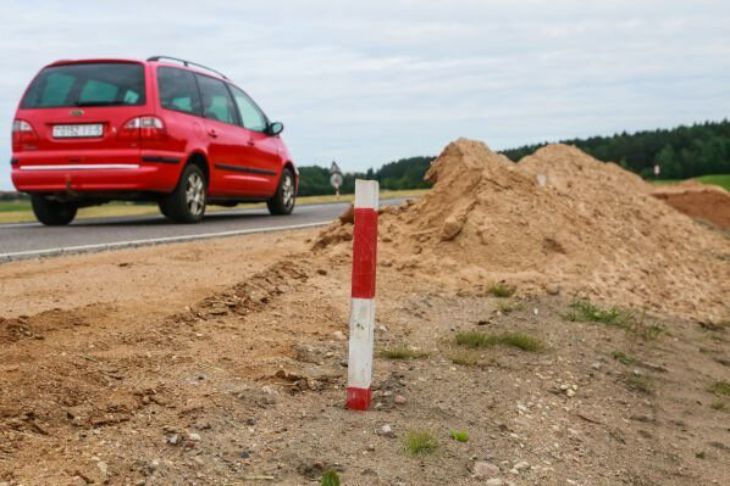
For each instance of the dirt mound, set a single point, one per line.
(699, 201)
(558, 220)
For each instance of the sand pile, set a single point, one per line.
(701, 201)
(558, 221)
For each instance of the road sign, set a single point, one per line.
(336, 180)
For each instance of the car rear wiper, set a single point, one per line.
(98, 103)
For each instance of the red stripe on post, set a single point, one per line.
(364, 253)
(358, 398)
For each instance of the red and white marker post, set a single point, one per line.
(362, 312)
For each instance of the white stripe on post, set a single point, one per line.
(362, 312)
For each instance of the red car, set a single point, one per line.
(165, 130)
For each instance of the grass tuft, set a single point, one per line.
(508, 307)
(475, 339)
(586, 311)
(501, 289)
(623, 358)
(402, 352)
(330, 478)
(420, 442)
(459, 435)
(720, 388)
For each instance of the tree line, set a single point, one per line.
(682, 152)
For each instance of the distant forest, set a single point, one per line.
(682, 153)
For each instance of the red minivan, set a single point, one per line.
(165, 130)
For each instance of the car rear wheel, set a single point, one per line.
(187, 202)
(52, 213)
(285, 197)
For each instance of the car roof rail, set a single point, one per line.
(187, 63)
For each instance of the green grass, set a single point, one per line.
(586, 311)
(330, 478)
(20, 211)
(402, 352)
(720, 388)
(420, 442)
(700, 455)
(459, 435)
(722, 180)
(508, 307)
(623, 358)
(476, 339)
(501, 289)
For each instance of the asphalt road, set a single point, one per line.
(31, 240)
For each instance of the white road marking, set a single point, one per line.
(151, 241)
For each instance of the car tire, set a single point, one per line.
(285, 198)
(186, 204)
(52, 213)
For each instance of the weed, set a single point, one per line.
(700, 455)
(474, 339)
(459, 435)
(586, 311)
(501, 289)
(420, 442)
(330, 478)
(508, 307)
(623, 358)
(464, 358)
(720, 388)
(402, 352)
(640, 383)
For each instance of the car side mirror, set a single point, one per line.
(275, 128)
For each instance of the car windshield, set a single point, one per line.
(87, 84)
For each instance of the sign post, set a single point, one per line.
(362, 311)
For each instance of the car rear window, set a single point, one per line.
(88, 84)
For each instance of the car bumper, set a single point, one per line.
(147, 173)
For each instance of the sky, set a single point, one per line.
(365, 83)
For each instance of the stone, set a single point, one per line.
(194, 437)
(485, 470)
(399, 399)
(494, 482)
(387, 431)
(522, 465)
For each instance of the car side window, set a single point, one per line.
(251, 116)
(178, 90)
(217, 101)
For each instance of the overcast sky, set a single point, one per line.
(369, 82)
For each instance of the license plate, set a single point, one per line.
(78, 131)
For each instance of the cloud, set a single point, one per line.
(369, 82)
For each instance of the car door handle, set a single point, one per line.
(213, 133)
(251, 143)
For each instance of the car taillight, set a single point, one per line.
(143, 128)
(23, 134)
